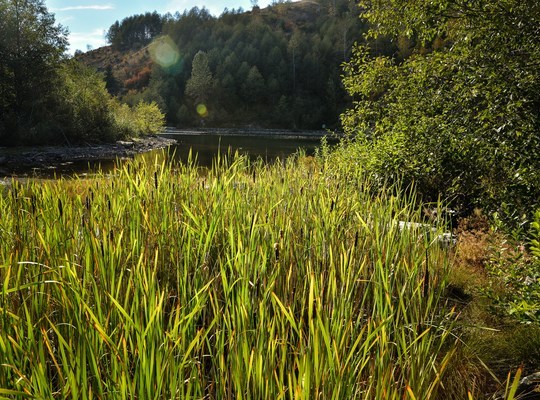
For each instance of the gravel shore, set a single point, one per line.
(27, 158)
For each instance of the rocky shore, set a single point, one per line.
(28, 158)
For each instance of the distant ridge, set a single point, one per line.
(275, 67)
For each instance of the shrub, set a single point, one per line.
(144, 118)
(458, 118)
(518, 271)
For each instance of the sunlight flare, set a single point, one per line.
(202, 110)
(165, 52)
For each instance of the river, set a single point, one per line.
(267, 145)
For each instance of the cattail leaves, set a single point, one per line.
(247, 281)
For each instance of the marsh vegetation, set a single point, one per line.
(244, 280)
(248, 281)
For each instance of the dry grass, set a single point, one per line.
(494, 345)
(472, 252)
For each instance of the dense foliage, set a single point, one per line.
(31, 50)
(457, 109)
(46, 98)
(135, 31)
(513, 268)
(278, 66)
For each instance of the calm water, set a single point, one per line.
(205, 146)
(269, 148)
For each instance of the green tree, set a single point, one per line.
(85, 113)
(254, 87)
(459, 116)
(294, 45)
(200, 85)
(31, 50)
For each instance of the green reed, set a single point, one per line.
(245, 281)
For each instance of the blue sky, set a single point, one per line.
(88, 20)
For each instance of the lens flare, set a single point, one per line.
(164, 52)
(202, 110)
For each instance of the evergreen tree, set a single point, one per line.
(200, 85)
(135, 31)
(254, 86)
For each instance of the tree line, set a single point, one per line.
(274, 67)
(46, 97)
(135, 31)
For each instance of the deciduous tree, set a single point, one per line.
(31, 49)
(460, 116)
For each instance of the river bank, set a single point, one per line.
(24, 161)
(39, 157)
(255, 132)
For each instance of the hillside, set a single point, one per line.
(274, 67)
(120, 65)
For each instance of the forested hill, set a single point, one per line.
(274, 67)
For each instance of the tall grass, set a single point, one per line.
(247, 281)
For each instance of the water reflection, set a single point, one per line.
(269, 148)
(204, 146)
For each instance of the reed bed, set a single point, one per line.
(247, 281)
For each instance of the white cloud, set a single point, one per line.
(65, 19)
(91, 7)
(81, 40)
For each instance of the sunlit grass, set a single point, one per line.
(249, 281)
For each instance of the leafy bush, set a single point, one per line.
(535, 235)
(85, 114)
(519, 275)
(458, 117)
(144, 118)
(149, 118)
